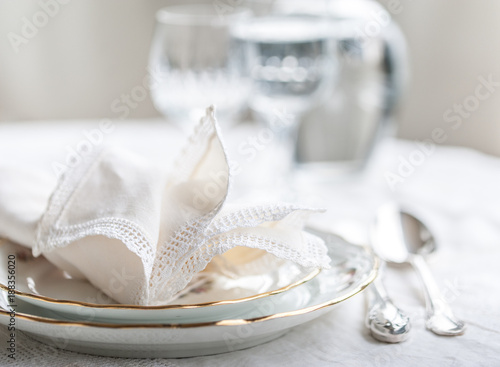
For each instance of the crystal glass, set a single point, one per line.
(291, 64)
(337, 137)
(195, 63)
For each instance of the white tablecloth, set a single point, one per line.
(456, 191)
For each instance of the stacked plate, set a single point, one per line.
(220, 316)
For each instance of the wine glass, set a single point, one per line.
(290, 59)
(195, 63)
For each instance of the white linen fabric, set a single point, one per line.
(117, 218)
(455, 189)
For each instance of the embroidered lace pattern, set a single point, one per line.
(184, 248)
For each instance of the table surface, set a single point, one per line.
(454, 190)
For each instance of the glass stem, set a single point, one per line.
(285, 136)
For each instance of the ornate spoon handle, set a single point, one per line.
(440, 318)
(386, 322)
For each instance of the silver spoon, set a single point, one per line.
(386, 322)
(399, 238)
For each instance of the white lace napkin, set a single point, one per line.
(141, 235)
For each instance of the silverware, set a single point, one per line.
(386, 322)
(399, 238)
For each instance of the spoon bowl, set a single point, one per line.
(417, 238)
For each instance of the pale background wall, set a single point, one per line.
(90, 52)
(451, 44)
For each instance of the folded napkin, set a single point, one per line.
(141, 234)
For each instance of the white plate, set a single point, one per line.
(352, 270)
(42, 284)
